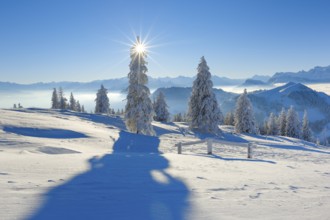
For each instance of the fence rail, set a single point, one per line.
(209, 143)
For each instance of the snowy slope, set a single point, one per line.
(64, 165)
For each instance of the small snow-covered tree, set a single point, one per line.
(263, 127)
(83, 109)
(138, 110)
(306, 131)
(78, 107)
(102, 101)
(160, 108)
(203, 110)
(292, 124)
(282, 122)
(73, 104)
(229, 119)
(15, 106)
(272, 128)
(244, 116)
(62, 99)
(55, 101)
(178, 117)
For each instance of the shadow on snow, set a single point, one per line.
(44, 133)
(120, 186)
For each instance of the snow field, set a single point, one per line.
(78, 166)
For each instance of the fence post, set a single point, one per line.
(249, 150)
(179, 148)
(209, 146)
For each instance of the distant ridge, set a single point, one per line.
(315, 75)
(116, 84)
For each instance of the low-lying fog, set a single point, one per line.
(42, 99)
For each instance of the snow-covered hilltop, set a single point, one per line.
(87, 166)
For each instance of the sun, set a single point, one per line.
(140, 48)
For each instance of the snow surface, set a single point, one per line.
(65, 165)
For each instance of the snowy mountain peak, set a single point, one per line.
(294, 87)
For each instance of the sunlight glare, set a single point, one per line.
(140, 48)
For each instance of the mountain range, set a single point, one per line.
(118, 84)
(315, 75)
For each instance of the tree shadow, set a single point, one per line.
(44, 133)
(121, 185)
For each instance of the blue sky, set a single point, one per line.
(79, 40)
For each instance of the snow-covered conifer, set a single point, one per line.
(244, 116)
(282, 122)
(160, 108)
(272, 128)
(292, 124)
(83, 109)
(62, 99)
(73, 104)
(306, 131)
(229, 119)
(138, 109)
(78, 107)
(102, 101)
(203, 110)
(15, 106)
(55, 101)
(263, 127)
(177, 117)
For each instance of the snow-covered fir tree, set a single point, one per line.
(263, 127)
(73, 104)
(306, 131)
(160, 108)
(55, 101)
(62, 99)
(15, 106)
(83, 109)
(229, 119)
(282, 122)
(292, 128)
(138, 110)
(244, 116)
(102, 101)
(177, 117)
(272, 128)
(78, 107)
(203, 110)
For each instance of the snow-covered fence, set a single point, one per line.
(180, 145)
(209, 143)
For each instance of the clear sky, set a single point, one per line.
(79, 40)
